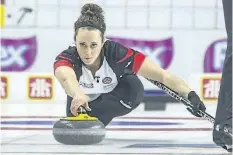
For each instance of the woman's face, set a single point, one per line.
(89, 44)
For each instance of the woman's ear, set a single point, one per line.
(104, 40)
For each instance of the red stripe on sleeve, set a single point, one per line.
(62, 63)
(138, 60)
(62, 57)
(129, 54)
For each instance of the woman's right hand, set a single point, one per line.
(80, 99)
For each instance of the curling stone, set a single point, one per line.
(79, 130)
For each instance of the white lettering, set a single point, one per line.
(211, 89)
(11, 55)
(153, 53)
(40, 88)
(219, 55)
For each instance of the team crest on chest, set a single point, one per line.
(107, 80)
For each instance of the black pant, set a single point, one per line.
(127, 95)
(224, 107)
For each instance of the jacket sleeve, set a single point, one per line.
(126, 58)
(66, 58)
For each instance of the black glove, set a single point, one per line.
(197, 104)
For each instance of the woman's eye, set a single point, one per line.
(82, 45)
(93, 45)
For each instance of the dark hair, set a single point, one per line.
(91, 18)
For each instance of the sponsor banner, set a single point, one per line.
(4, 88)
(18, 54)
(214, 56)
(182, 53)
(160, 51)
(40, 87)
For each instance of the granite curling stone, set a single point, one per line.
(79, 130)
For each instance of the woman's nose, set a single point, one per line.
(88, 51)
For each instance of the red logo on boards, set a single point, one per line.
(4, 87)
(40, 87)
(210, 88)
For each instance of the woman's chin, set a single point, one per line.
(88, 61)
